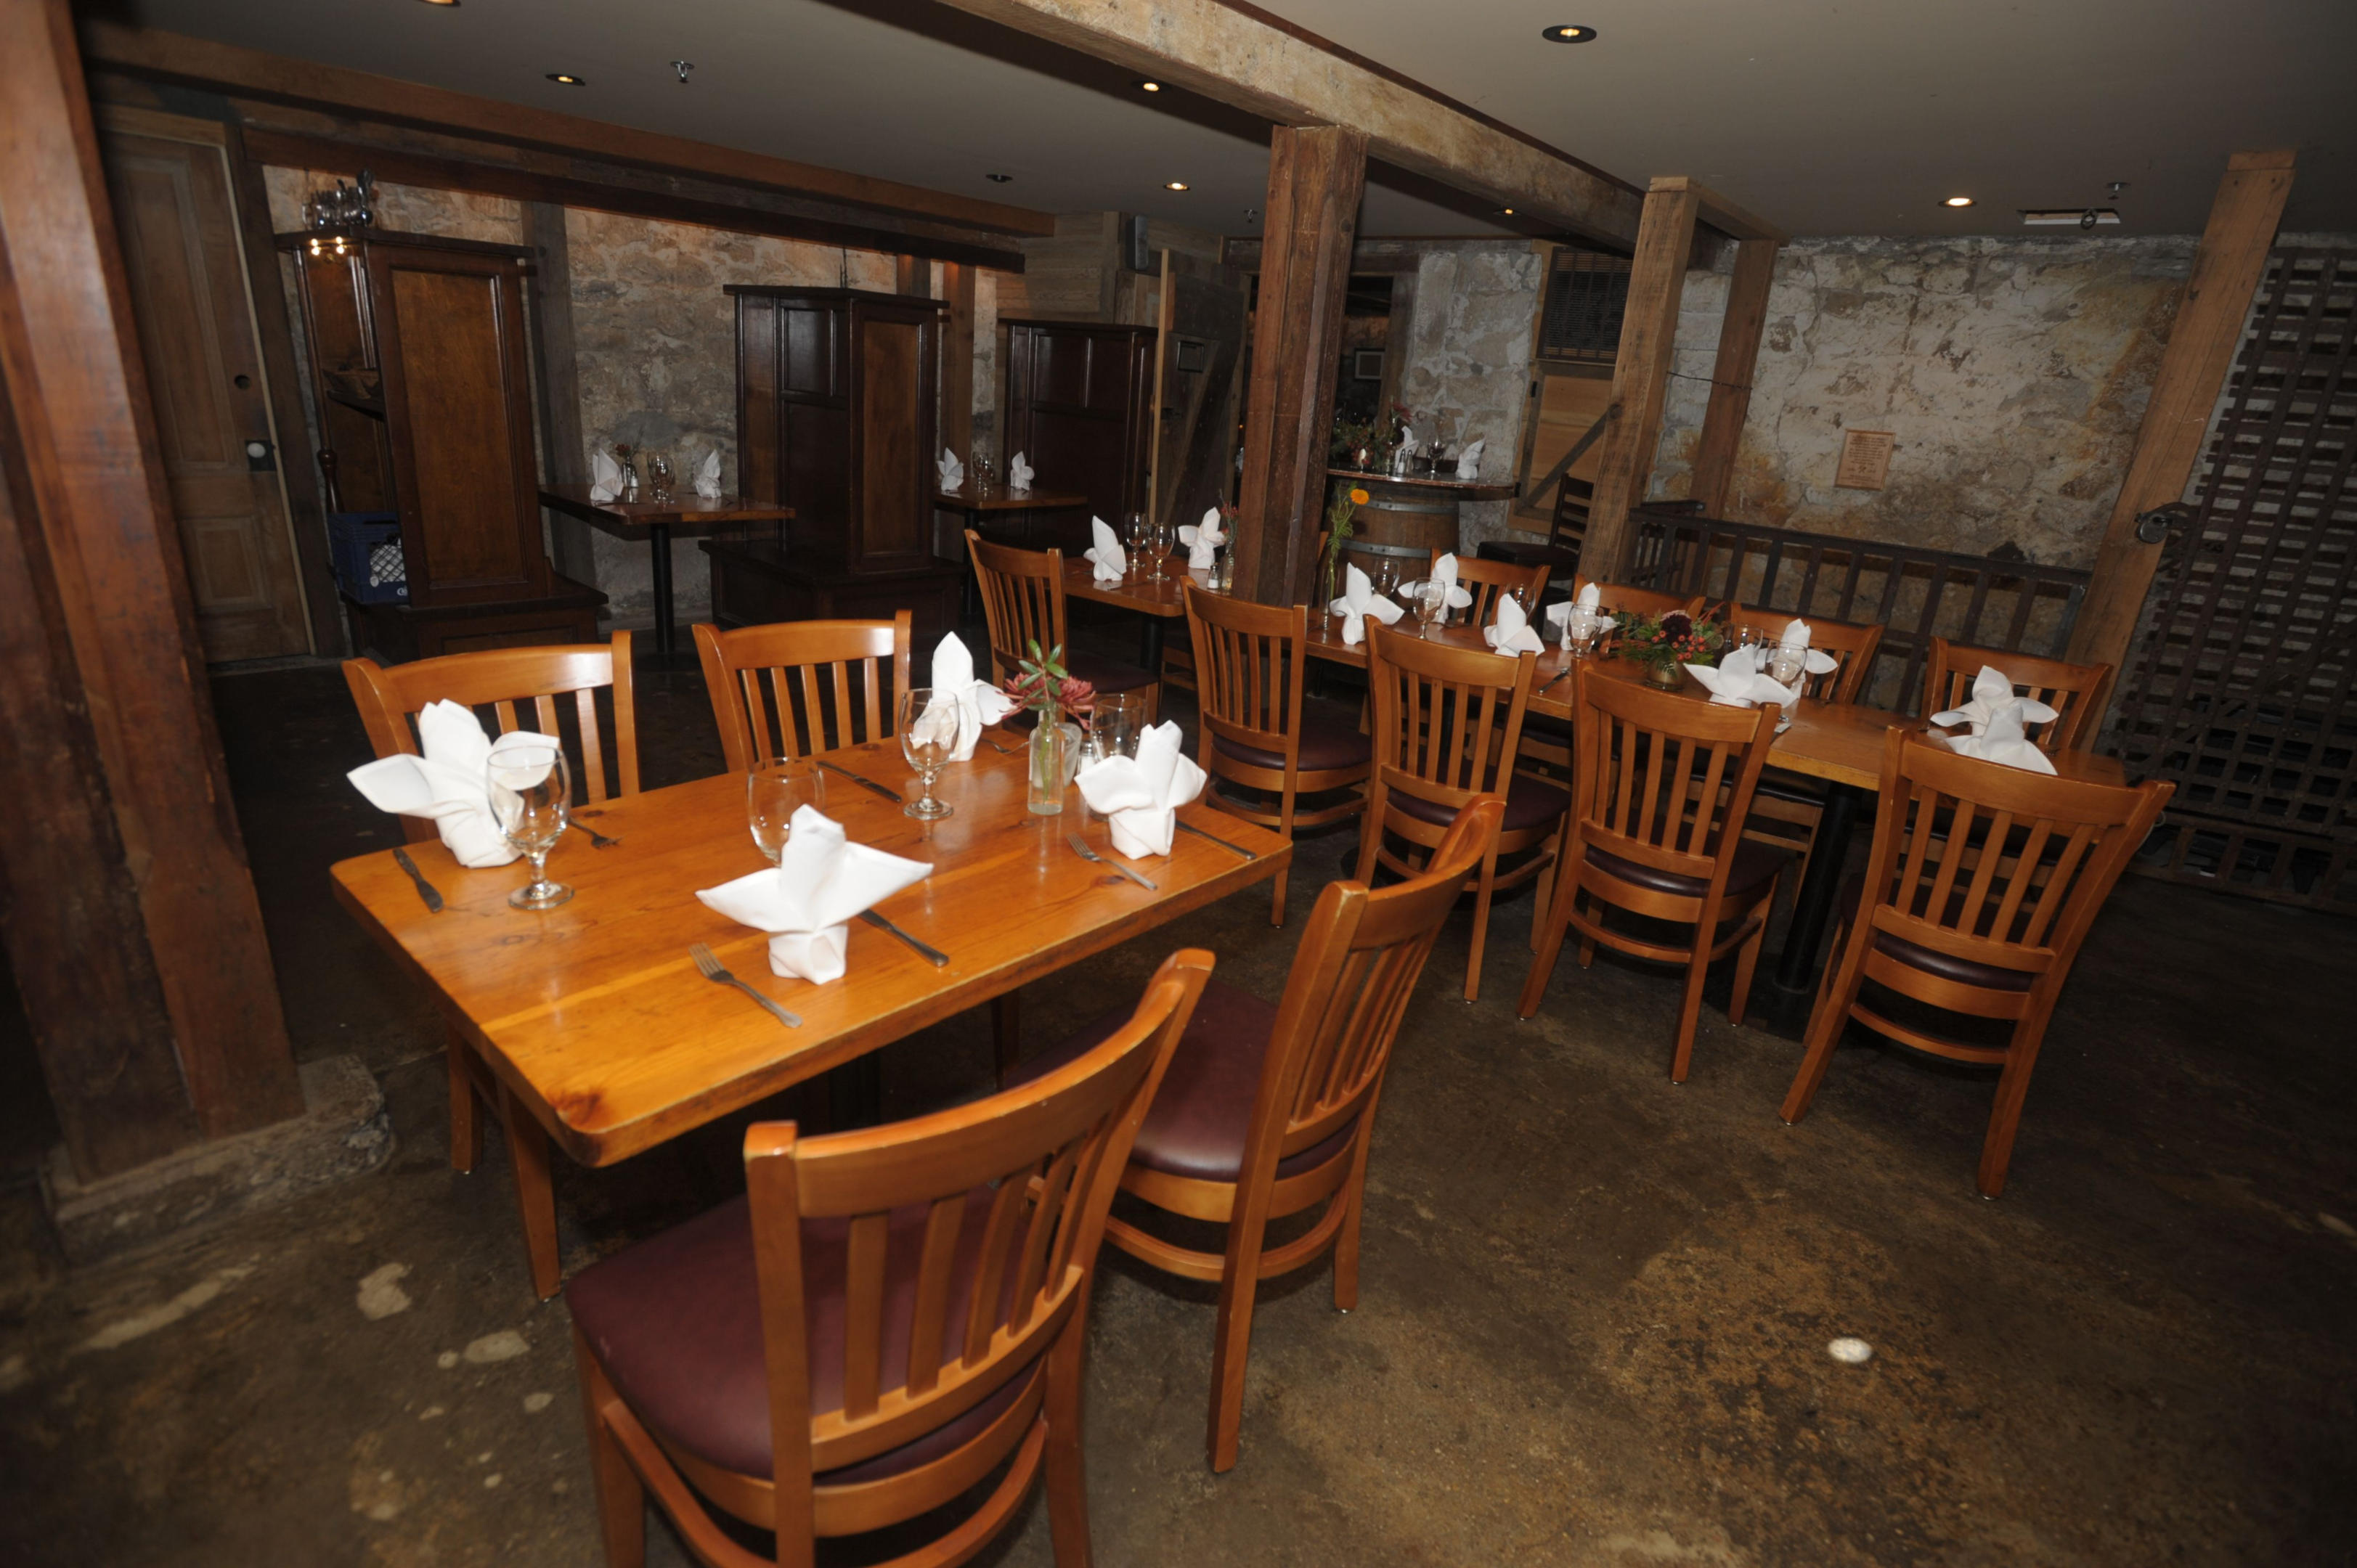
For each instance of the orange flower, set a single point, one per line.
(1358, 496)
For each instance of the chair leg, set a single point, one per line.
(1006, 1032)
(1746, 960)
(1542, 894)
(622, 1499)
(1843, 978)
(1545, 952)
(2004, 1117)
(1690, 1006)
(1067, 1485)
(1371, 834)
(465, 1114)
(1232, 1337)
(535, 1193)
(1285, 830)
(1480, 925)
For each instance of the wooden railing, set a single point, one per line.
(1915, 592)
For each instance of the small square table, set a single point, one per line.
(653, 521)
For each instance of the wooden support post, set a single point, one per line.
(1739, 358)
(1648, 328)
(563, 445)
(912, 275)
(121, 844)
(1315, 179)
(957, 361)
(2193, 368)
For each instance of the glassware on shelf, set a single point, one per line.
(530, 796)
(774, 789)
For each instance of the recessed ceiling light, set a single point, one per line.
(1507, 211)
(1174, 185)
(1568, 33)
(1149, 87)
(441, 2)
(567, 78)
(998, 178)
(1959, 201)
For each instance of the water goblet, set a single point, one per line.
(928, 735)
(1786, 666)
(1431, 604)
(1134, 533)
(660, 477)
(1165, 540)
(774, 791)
(530, 790)
(1116, 721)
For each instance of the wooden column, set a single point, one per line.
(131, 922)
(957, 361)
(1738, 358)
(2193, 368)
(912, 275)
(1641, 374)
(1315, 179)
(563, 445)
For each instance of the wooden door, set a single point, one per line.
(897, 351)
(1199, 363)
(190, 298)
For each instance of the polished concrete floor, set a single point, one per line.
(1595, 1309)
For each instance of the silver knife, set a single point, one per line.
(1191, 828)
(938, 958)
(893, 795)
(425, 889)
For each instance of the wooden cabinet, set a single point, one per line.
(1079, 406)
(835, 394)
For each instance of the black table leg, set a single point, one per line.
(658, 542)
(1149, 646)
(1796, 966)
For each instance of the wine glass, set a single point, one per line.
(928, 735)
(1116, 720)
(774, 791)
(1387, 571)
(1431, 603)
(1134, 533)
(1165, 540)
(1786, 665)
(660, 477)
(531, 795)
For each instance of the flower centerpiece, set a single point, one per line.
(1050, 691)
(1352, 442)
(1661, 643)
(1340, 511)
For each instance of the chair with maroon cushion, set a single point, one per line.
(1268, 1111)
(883, 1319)
(1255, 734)
(1447, 722)
(1941, 918)
(1023, 603)
(1661, 782)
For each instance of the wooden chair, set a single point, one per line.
(1641, 601)
(825, 680)
(1485, 580)
(1546, 740)
(1254, 733)
(1788, 806)
(1023, 602)
(1660, 786)
(878, 1324)
(1990, 935)
(521, 686)
(2077, 691)
(1268, 1111)
(1448, 722)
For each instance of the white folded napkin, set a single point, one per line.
(1201, 538)
(951, 472)
(1111, 563)
(1992, 692)
(1579, 616)
(1796, 634)
(2002, 738)
(1511, 631)
(962, 705)
(807, 901)
(1444, 572)
(1141, 795)
(1358, 601)
(707, 476)
(446, 785)
(1738, 682)
(1468, 462)
(605, 477)
(1018, 473)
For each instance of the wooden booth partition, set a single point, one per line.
(1080, 407)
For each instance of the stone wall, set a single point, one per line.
(1467, 359)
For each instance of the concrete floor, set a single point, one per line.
(1595, 1306)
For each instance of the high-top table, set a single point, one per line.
(653, 522)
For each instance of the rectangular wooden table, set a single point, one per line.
(653, 522)
(1840, 743)
(1156, 599)
(600, 1031)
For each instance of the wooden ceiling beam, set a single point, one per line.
(198, 62)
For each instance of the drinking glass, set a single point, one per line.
(773, 791)
(531, 795)
(1431, 603)
(1133, 536)
(1116, 720)
(660, 477)
(1165, 540)
(926, 740)
(1387, 571)
(1787, 665)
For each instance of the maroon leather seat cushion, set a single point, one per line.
(1106, 674)
(1195, 1127)
(1962, 970)
(1755, 864)
(676, 1322)
(1529, 803)
(1324, 747)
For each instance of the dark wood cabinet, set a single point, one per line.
(835, 394)
(1079, 406)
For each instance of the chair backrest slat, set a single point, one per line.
(1661, 779)
(1448, 720)
(1248, 669)
(808, 668)
(1022, 600)
(2077, 692)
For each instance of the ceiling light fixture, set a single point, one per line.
(1507, 211)
(2070, 217)
(1174, 185)
(441, 2)
(1149, 87)
(1958, 201)
(998, 178)
(683, 67)
(567, 78)
(1568, 33)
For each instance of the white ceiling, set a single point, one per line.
(1824, 116)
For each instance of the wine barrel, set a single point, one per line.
(1404, 520)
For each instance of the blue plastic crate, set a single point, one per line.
(365, 549)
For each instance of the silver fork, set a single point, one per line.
(709, 966)
(1081, 847)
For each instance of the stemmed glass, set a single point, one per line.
(927, 738)
(1134, 535)
(1165, 540)
(1431, 600)
(773, 791)
(660, 477)
(530, 796)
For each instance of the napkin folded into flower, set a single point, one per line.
(1738, 682)
(1797, 635)
(951, 472)
(1444, 572)
(1580, 616)
(446, 785)
(1111, 563)
(1018, 473)
(808, 900)
(707, 476)
(1999, 722)
(1358, 601)
(1468, 462)
(605, 477)
(1201, 538)
(1511, 631)
(962, 706)
(1140, 795)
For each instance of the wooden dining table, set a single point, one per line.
(1840, 743)
(1159, 598)
(605, 1038)
(654, 521)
